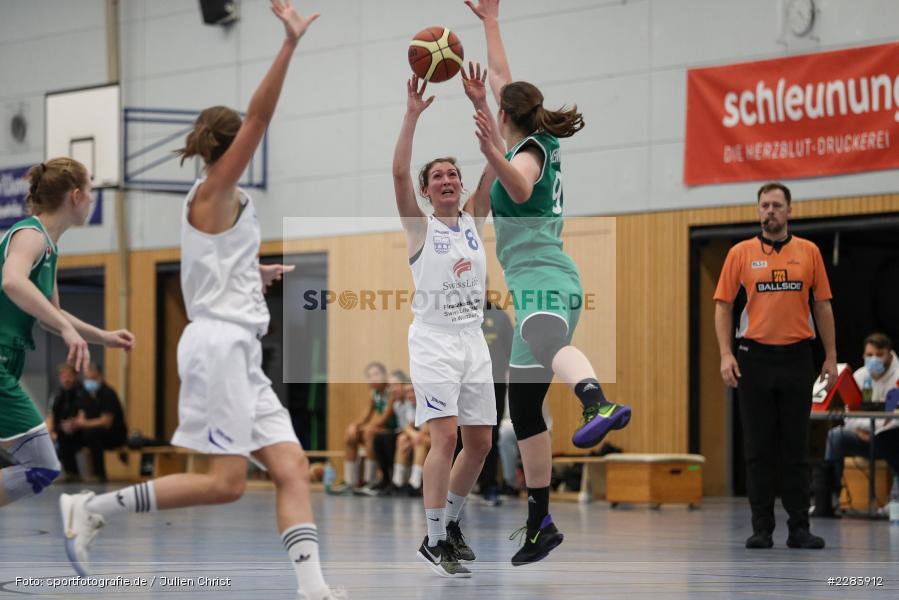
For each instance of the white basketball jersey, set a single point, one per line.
(449, 274)
(220, 276)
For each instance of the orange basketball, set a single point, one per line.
(435, 54)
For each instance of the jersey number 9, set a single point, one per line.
(557, 194)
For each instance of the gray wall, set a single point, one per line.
(622, 62)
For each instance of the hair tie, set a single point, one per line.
(43, 168)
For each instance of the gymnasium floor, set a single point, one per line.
(369, 547)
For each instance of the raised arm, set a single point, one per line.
(411, 216)
(478, 203)
(224, 174)
(497, 63)
(518, 175)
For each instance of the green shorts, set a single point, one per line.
(18, 414)
(542, 290)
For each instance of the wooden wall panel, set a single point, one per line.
(644, 258)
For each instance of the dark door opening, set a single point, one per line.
(294, 353)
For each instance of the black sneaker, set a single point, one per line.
(390, 491)
(537, 544)
(441, 559)
(803, 538)
(456, 541)
(413, 492)
(759, 540)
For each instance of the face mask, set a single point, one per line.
(91, 385)
(875, 365)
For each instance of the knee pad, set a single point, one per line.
(527, 390)
(36, 466)
(545, 335)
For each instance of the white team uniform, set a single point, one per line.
(226, 404)
(449, 362)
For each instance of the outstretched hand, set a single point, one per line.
(473, 83)
(273, 273)
(295, 24)
(415, 103)
(485, 9)
(120, 338)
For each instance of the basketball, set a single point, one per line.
(435, 54)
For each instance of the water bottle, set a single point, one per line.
(329, 477)
(894, 502)
(867, 390)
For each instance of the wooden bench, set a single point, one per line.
(854, 493)
(173, 459)
(166, 461)
(654, 478)
(593, 479)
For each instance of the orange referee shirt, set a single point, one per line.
(777, 289)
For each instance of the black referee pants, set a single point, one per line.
(775, 398)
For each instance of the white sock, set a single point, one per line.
(436, 525)
(301, 542)
(349, 472)
(136, 498)
(415, 477)
(454, 506)
(371, 471)
(399, 474)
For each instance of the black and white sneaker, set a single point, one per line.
(441, 559)
(456, 541)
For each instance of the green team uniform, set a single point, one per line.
(18, 414)
(380, 400)
(541, 277)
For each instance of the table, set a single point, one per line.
(836, 415)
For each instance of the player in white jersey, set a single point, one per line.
(448, 358)
(226, 406)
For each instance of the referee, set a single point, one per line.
(773, 371)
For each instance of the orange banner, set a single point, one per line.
(803, 116)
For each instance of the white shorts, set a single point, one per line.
(452, 375)
(226, 404)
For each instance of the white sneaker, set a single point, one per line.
(325, 594)
(80, 527)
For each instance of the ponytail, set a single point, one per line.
(213, 132)
(562, 123)
(523, 103)
(51, 181)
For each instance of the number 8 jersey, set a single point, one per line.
(449, 274)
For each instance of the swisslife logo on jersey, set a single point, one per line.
(780, 282)
(462, 265)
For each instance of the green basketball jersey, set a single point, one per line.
(15, 323)
(530, 233)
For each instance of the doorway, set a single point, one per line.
(861, 256)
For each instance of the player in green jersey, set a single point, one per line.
(59, 198)
(527, 203)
